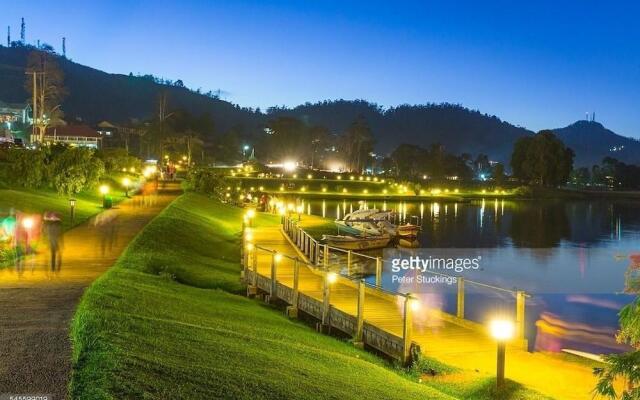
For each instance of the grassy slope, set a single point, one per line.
(148, 329)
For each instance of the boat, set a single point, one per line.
(362, 222)
(357, 242)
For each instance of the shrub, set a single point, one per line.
(27, 167)
(75, 169)
(205, 180)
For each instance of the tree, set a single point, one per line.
(359, 143)
(47, 92)
(75, 169)
(498, 174)
(626, 365)
(542, 159)
(27, 167)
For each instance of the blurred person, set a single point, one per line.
(52, 231)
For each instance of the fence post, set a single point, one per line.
(460, 312)
(349, 255)
(378, 271)
(274, 271)
(360, 315)
(520, 309)
(407, 328)
(325, 256)
(326, 301)
(292, 310)
(255, 268)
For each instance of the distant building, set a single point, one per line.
(73, 135)
(119, 136)
(11, 113)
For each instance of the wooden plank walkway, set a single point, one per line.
(436, 334)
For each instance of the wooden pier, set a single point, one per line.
(283, 264)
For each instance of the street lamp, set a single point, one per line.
(126, 182)
(72, 206)
(502, 331)
(104, 190)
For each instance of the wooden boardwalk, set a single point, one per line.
(377, 319)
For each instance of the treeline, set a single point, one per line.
(610, 173)
(66, 169)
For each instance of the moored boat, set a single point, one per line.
(357, 242)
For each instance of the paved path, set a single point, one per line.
(36, 304)
(448, 342)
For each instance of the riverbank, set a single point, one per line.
(166, 320)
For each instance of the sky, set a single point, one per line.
(537, 64)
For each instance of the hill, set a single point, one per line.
(96, 95)
(592, 142)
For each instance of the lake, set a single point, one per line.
(570, 256)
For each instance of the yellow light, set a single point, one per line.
(251, 213)
(446, 190)
(126, 182)
(435, 191)
(456, 191)
(324, 190)
(290, 207)
(309, 176)
(375, 179)
(503, 192)
(282, 211)
(365, 191)
(295, 176)
(233, 174)
(382, 181)
(252, 188)
(124, 170)
(277, 257)
(104, 189)
(415, 304)
(27, 223)
(281, 188)
(289, 165)
(132, 170)
(361, 178)
(300, 209)
(241, 197)
(184, 158)
(352, 177)
(421, 191)
(249, 246)
(496, 191)
(484, 191)
(303, 189)
(384, 191)
(261, 188)
(339, 177)
(344, 190)
(166, 157)
(501, 329)
(368, 178)
(228, 195)
(332, 277)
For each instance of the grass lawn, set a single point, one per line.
(165, 322)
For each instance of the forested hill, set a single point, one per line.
(96, 95)
(457, 128)
(592, 142)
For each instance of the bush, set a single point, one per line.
(75, 169)
(116, 160)
(27, 167)
(205, 180)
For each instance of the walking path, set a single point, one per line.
(443, 340)
(37, 304)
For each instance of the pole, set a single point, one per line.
(326, 299)
(378, 271)
(349, 255)
(520, 311)
(407, 328)
(502, 349)
(272, 290)
(35, 107)
(460, 313)
(360, 320)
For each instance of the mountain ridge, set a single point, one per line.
(96, 95)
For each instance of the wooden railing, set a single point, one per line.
(319, 254)
(399, 347)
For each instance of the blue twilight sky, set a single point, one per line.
(539, 64)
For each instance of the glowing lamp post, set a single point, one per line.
(502, 331)
(72, 206)
(104, 190)
(250, 215)
(126, 182)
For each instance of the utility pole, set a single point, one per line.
(64, 47)
(9, 36)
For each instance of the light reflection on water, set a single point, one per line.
(586, 293)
